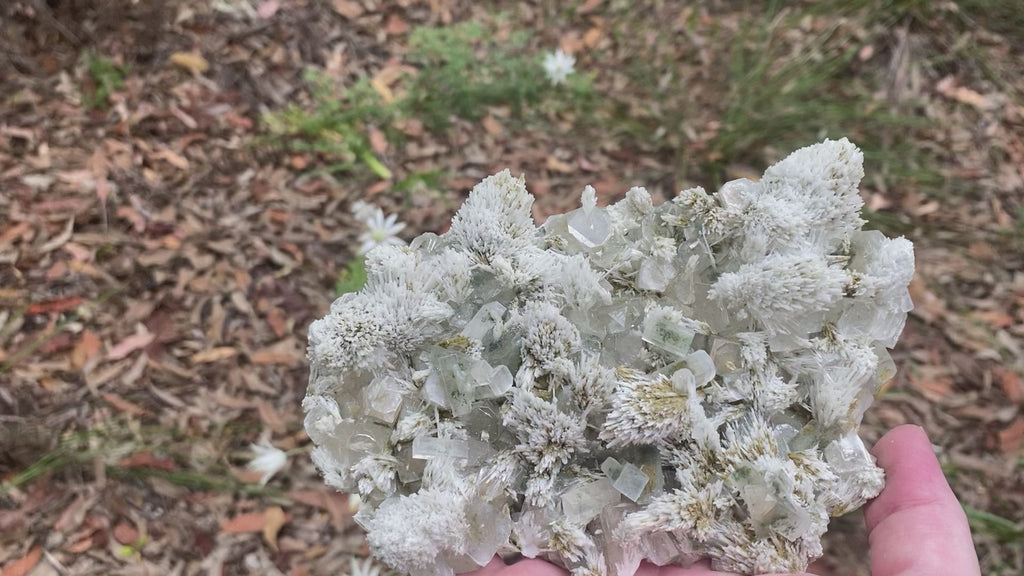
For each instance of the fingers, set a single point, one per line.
(494, 567)
(916, 526)
(526, 567)
(702, 568)
(533, 567)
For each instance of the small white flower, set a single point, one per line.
(268, 461)
(558, 65)
(381, 231)
(366, 567)
(363, 211)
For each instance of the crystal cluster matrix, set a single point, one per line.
(666, 382)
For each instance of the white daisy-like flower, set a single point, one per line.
(364, 567)
(558, 65)
(267, 461)
(363, 211)
(381, 231)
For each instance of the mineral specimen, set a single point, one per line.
(670, 382)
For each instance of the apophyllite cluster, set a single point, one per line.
(666, 382)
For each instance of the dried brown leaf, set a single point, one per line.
(125, 533)
(270, 417)
(172, 158)
(60, 239)
(123, 405)
(1011, 438)
(130, 344)
(927, 305)
(378, 141)
(1011, 383)
(148, 460)
(557, 165)
(996, 318)
(56, 305)
(81, 545)
(14, 232)
(284, 352)
(410, 127)
(274, 519)
(385, 92)
(232, 402)
(278, 322)
(251, 522)
(492, 126)
(87, 348)
(191, 61)
(335, 503)
(72, 516)
(395, 25)
(23, 565)
(214, 355)
(268, 8)
(348, 9)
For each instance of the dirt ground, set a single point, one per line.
(163, 249)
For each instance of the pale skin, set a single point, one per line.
(915, 526)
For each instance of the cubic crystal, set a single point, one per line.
(631, 482)
(660, 548)
(583, 502)
(383, 398)
(500, 380)
(663, 333)
(611, 468)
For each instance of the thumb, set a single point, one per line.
(916, 526)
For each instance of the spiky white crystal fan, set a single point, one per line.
(666, 382)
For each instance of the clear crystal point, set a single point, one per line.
(453, 375)
(489, 530)
(591, 228)
(486, 323)
(654, 275)
(427, 447)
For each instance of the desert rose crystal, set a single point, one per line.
(669, 382)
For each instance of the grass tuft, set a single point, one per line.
(104, 78)
(461, 71)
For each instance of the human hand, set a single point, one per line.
(915, 526)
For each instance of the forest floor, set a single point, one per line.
(176, 182)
